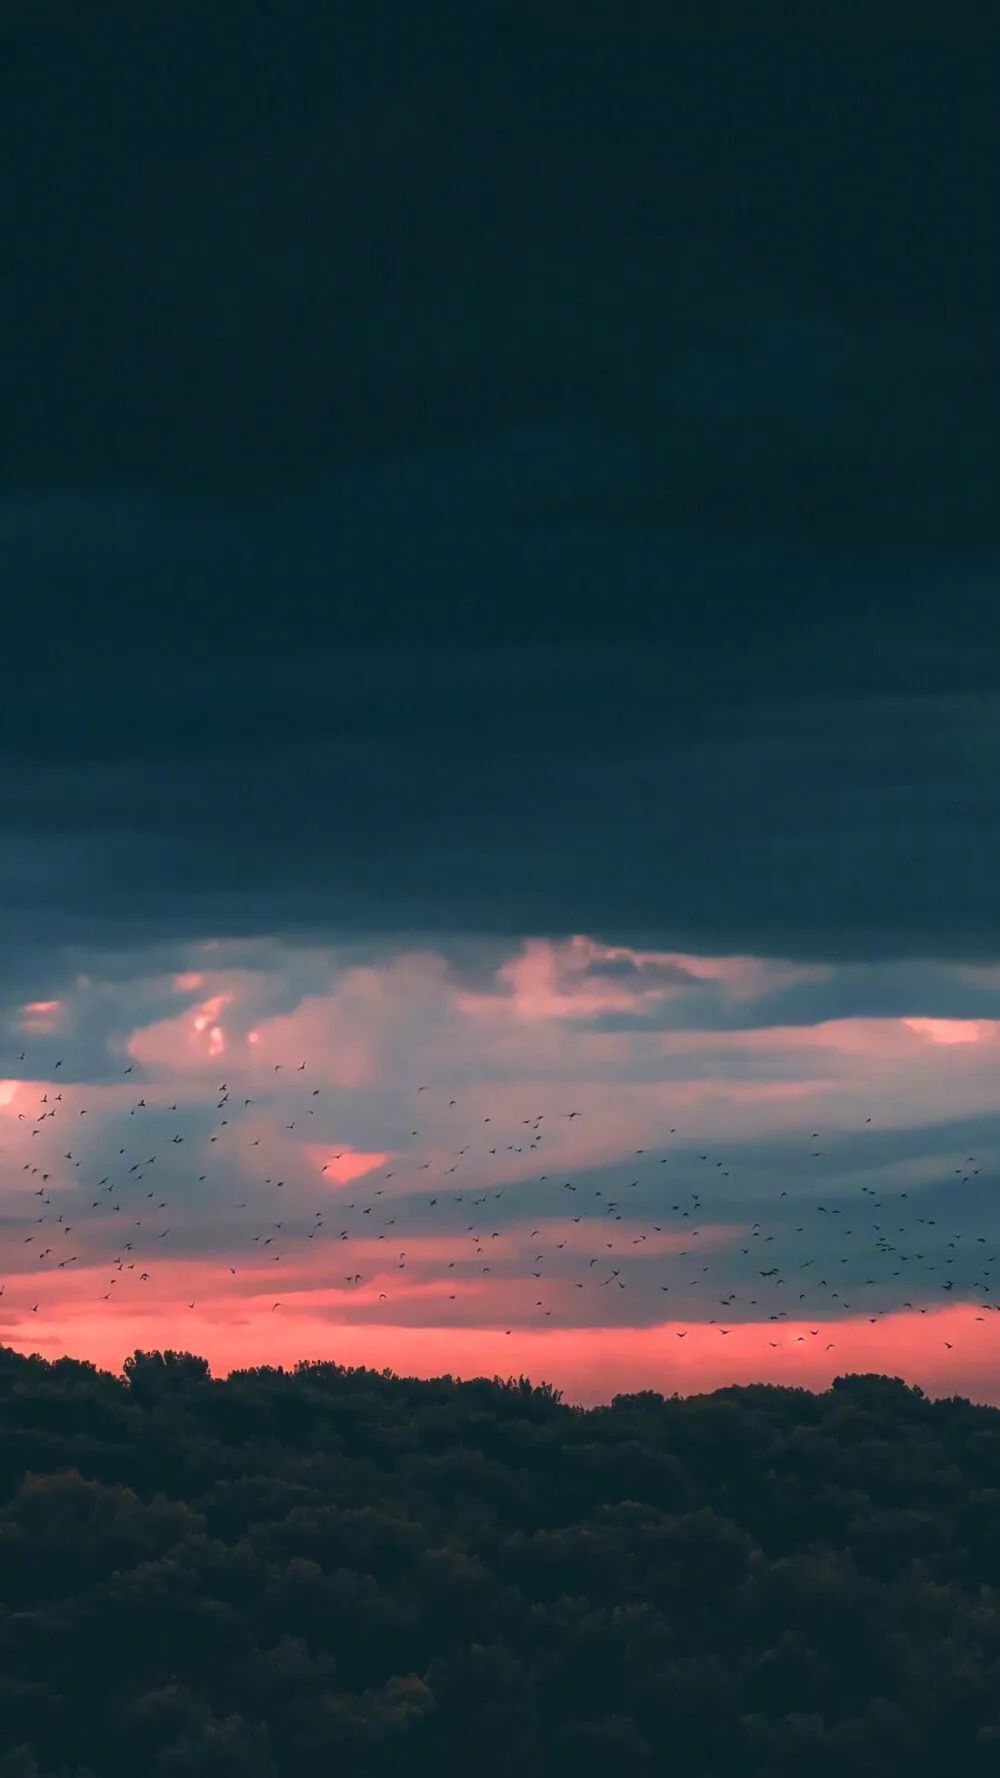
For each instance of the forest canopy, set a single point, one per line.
(336, 1570)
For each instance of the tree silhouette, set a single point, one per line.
(334, 1568)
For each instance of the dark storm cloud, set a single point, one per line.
(530, 474)
(309, 240)
(402, 793)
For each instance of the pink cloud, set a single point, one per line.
(357, 1035)
(956, 1030)
(745, 977)
(549, 981)
(492, 1275)
(183, 1044)
(41, 1015)
(883, 1039)
(563, 981)
(13, 1094)
(376, 1032)
(350, 1031)
(340, 1166)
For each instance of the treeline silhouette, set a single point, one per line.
(338, 1571)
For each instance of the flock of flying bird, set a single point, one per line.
(66, 1185)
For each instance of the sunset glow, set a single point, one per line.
(444, 1180)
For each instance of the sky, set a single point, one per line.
(499, 551)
